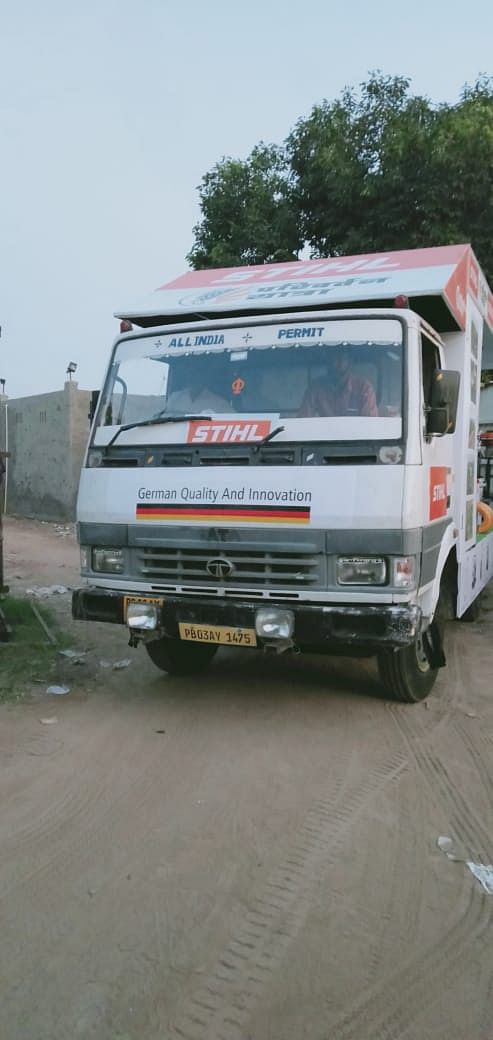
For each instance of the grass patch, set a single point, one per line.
(28, 655)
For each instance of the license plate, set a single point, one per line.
(219, 634)
(140, 599)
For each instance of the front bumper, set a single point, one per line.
(317, 627)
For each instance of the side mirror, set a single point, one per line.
(442, 414)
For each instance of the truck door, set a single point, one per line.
(437, 470)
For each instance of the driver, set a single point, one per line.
(346, 393)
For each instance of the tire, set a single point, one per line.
(406, 673)
(177, 657)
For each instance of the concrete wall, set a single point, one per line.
(47, 436)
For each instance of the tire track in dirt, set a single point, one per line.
(419, 732)
(439, 960)
(488, 1004)
(478, 745)
(463, 818)
(39, 745)
(474, 745)
(401, 910)
(73, 802)
(388, 1011)
(476, 740)
(229, 995)
(78, 821)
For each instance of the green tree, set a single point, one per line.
(361, 169)
(463, 163)
(247, 212)
(378, 168)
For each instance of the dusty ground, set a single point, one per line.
(248, 857)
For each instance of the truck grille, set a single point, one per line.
(248, 567)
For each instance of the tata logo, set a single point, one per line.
(218, 567)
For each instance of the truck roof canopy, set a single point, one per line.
(436, 282)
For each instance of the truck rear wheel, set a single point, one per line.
(406, 674)
(178, 657)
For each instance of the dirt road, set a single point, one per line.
(249, 857)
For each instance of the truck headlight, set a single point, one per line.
(404, 572)
(109, 561)
(142, 616)
(85, 558)
(274, 623)
(361, 570)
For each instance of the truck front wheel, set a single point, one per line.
(178, 657)
(406, 674)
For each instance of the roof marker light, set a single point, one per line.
(401, 301)
(126, 326)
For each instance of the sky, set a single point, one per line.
(111, 111)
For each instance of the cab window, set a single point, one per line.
(430, 363)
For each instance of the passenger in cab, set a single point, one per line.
(196, 396)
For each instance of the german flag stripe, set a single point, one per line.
(224, 508)
(229, 519)
(165, 510)
(226, 516)
(288, 514)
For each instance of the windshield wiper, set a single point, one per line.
(269, 437)
(157, 420)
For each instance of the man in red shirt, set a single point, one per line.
(347, 394)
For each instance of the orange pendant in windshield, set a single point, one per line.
(237, 386)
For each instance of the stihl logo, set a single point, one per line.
(227, 432)
(438, 492)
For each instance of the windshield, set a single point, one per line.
(346, 370)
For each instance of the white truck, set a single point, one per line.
(285, 457)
